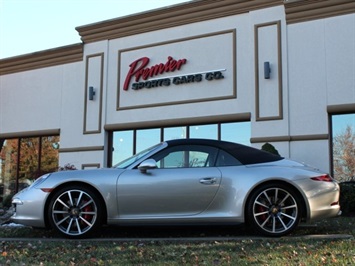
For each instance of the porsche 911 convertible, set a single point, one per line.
(182, 182)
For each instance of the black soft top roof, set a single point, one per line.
(244, 154)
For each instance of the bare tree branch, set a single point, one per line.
(344, 155)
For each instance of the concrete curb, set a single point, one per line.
(185, 239)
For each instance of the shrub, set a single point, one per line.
(347, 198)
(270, 148)
(67, 167)
(7, 202)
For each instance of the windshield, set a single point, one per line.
(127, 162)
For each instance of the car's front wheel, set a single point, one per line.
(75, 212)
(274, 210)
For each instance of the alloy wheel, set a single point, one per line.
(275, 211)
(74, 212)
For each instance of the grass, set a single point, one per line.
(244, 249)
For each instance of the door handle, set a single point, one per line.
(208, 180)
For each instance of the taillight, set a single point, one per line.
(325, 178)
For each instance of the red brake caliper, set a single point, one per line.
(262, 209)
(88, 208)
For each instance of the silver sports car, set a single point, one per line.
(186, 181)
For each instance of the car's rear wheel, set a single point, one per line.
(74, 211)
(274, 210)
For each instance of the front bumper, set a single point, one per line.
(29, 207)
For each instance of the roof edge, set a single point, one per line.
(51, 57)
(172, 16)
(306, 10)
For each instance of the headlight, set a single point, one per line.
(17, 201)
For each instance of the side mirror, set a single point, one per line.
(146, 165)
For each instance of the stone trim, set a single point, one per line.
(290, 138)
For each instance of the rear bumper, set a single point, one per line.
(324, 204)
(334, 211)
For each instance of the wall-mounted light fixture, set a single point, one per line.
(91, 93)
(267, 70)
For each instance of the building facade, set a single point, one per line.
(253, 72)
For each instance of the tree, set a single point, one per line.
(1, 143)
(344, 155)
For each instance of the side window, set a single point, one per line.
(225, 159)
(186, 157)
(172, 160)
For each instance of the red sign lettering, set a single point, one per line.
(139, 70)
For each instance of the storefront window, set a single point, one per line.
(8, 169)
(24, 160)
(236, 132)
(29, 163)
(343, 132)
(204, 131)
(129, 142)
(49, 151)
(175, 133)
(122, 145)
(147, 138)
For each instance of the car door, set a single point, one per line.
(184, 183)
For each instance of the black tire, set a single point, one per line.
(273, 210)
(75, 211)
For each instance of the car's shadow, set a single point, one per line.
(164, 232)
(326, 227)
(203, 232)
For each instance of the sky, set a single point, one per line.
(28, 26)
(340, 122)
